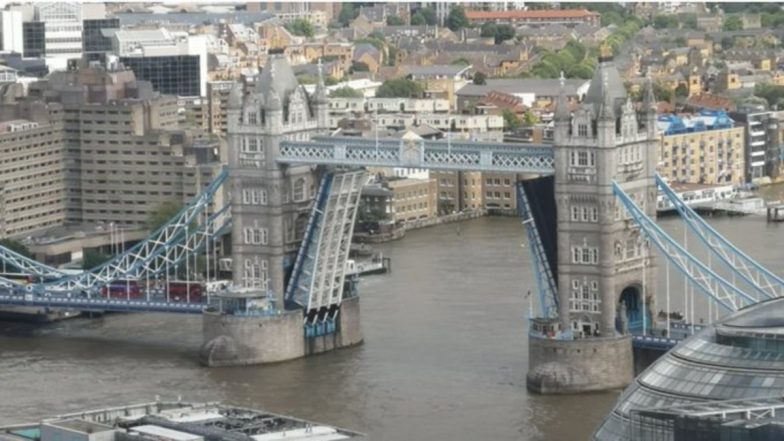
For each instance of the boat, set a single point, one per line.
(377, 265)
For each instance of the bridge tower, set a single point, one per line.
(603, 290)
(270, 209)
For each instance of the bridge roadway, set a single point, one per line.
(461, 155)
(100, 304)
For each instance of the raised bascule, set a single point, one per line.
(588, 211)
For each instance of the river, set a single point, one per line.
(444, 356)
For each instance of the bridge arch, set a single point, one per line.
(630, 309)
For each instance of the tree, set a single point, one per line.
(612, 18)
(358, 66)
(417, 19)
(93, 258)
(488, 30)
(511, 120)
(456, 19)
(462, 61)
(346, 92)
(665, 22)
(530, 118)
(377, 43)
(348, 12)
(163, 213)
(330, 81)
(682, 90)
(503, 33)
(661, 93)
(732, 23)
(480, 78)
(301, 27)
(394, 20)
(727, 42)
(689, 21)
(430, 15)
(17, 247)
(680, 41)
(399, 88)
(773, 94)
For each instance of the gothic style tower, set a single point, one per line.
(603, 290)
(270, 201)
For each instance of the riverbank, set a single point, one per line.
(400, 231)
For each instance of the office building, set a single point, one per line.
(34, 39)
(763, 153)
(96, 35)
(174, 62)
(11, 28)
(62, 24)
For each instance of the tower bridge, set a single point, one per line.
(588, 211)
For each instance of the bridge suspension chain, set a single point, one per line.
(766, 284)
(711, 284)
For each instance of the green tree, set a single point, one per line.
(480, 78)
(163, 213)
(348, 12)
(377, 43)
(92, 258)
(488, 30)
(399, 88)
(503, 33)
(346, 92)
(358, 66)
(689, 21)
(429, 13)
(680, 41)
(456, 19)
(612, 18)
(417, 19)
(17, 247)
(773, 94)
(727, 42)
(732, 23)
(394, 20)
(301, 27)
(682, 90)
(462, 61)
(665, 22)
(661, 93)
(511, 120)
(530, 118)
(330, 81)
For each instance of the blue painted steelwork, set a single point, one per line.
(434, 155)
(26, 265)
(297, 289)
(545, 283)
(711, 284)
(99, 304)
(704, 120)
(766, 284)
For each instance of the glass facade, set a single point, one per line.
(739, 358)
(34, 38)
(173, 75)
(92, 38)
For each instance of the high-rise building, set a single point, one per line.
(94, 35)
(763, 147)
(174, 62)
(34, 39)
(62, 22)
(11, 27)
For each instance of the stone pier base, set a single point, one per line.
(236, 341)
(574, 366)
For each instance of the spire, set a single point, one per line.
(562, 106)
(321, 90)
(649, 100)
(606, 111)
(235, 96)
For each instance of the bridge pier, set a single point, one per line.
(236, 340)
(575, 366)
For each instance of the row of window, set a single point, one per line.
(255, 273)
(584, 213)
(585, 297)
(585, 255)
(582, 158)
(255, 236)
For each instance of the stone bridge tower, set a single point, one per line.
(270, 201)
(601, 291)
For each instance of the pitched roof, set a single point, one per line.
(542, 87)
(437, 69)
(530, 15)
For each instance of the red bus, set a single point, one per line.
(122, 289)
(185, 292)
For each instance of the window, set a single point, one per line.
(255, 273)
(582, 130)
(298, 193)
(584, 296)
(252, 118)
(585, 255)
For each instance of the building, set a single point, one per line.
(32, 174)
(217, 106)
(532, 92)
(739, 358)
(174, 62)
(175, 421)
(96, 37)
(62, 27)
(11, 28)
(413, 199)
(763, 151)
(540, 17)
(705, 148)
(124, 153)
(440, 81)
(34, 39)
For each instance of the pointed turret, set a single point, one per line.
(649, 100)
(562, 113)
(235, 96)
(606, 110)
(321, 89)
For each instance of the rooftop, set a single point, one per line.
(530, 15)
